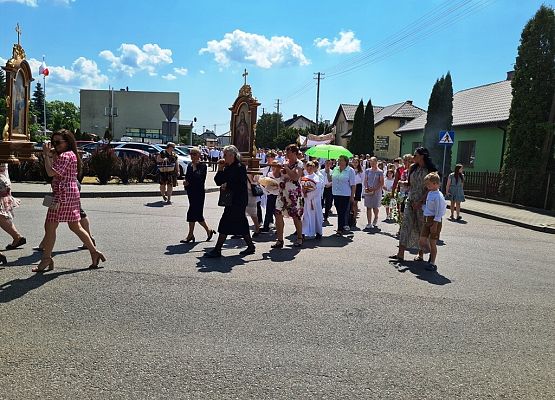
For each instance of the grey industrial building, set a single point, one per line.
(135, 114)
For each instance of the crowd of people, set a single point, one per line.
(288, 187)
(303, 190)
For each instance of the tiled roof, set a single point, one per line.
(291, 121)
(480, 105)
(399, 110)
(350, 109)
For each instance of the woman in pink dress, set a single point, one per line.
(62, 163)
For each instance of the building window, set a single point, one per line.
(466, 153)
(416, 145)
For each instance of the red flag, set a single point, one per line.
(43, 69)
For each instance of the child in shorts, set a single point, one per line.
(434, 209)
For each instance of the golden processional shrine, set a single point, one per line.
(16, 145)
(243, 125)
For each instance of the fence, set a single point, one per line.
(490, 185)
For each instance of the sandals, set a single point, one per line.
(396, 257)
(298, 242)
(418, 258)
(277, 245)
(96, 258)
(46, 264)
(20, 242)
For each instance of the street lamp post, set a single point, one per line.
(194, 120)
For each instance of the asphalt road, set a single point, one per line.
(334, 320)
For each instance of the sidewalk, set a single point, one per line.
(515, 215)
(520, 216)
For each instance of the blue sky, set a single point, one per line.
(386, 51)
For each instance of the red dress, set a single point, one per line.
(65, 190)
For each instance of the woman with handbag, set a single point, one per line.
(168, 167)
(194, 180)
(232, 179)
(62, 162)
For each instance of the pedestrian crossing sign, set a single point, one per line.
(447, 137)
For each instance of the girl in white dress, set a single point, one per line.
(312, 187)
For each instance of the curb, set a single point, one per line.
(91, 195)
(520, 207)
(543, 229)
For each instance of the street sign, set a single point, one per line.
(169, 110)
(447, 137)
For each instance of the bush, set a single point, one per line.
(104, 163)
(29, 170)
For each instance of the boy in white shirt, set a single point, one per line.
(434, 209)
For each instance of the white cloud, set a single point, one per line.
(30, 3)
(255, 49)
(181, 71)
(83, 74)
(202, 71)
(169, 77)
(132, 59)
(347, 43)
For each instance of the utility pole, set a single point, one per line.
(214, 128)
(277, 117)
(319, 76)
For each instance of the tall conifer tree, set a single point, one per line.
(529, 147)
(369, 129)
(439, 118)
(356, 144)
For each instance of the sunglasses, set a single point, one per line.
(57, 142)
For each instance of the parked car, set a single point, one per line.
(131, 153)
(153, 149)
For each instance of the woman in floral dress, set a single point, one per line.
(413, 218)
(290, 200)
(62, 163)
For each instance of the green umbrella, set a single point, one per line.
(328, 151)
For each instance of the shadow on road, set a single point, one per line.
(158, 204)
(181, 248)
(35, 258)
(17, 288)
(223, 265)
(418, 268)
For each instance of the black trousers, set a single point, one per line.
(259, 212)
(270, 208)
(327, 201)
(342, 204)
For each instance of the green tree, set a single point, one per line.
(439, 118)
(529, 144)
(286, 137)
(65, 115)
(37, 105)
(356, 143)
(268, 127)
(368, 129)
(2, 83)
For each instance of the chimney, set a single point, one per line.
(510, 75)
(294, 116)
(409, 101)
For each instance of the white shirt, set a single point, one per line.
(324, 173)
(342, 181)
(435, 205)
(359, 177)
(389, 184)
